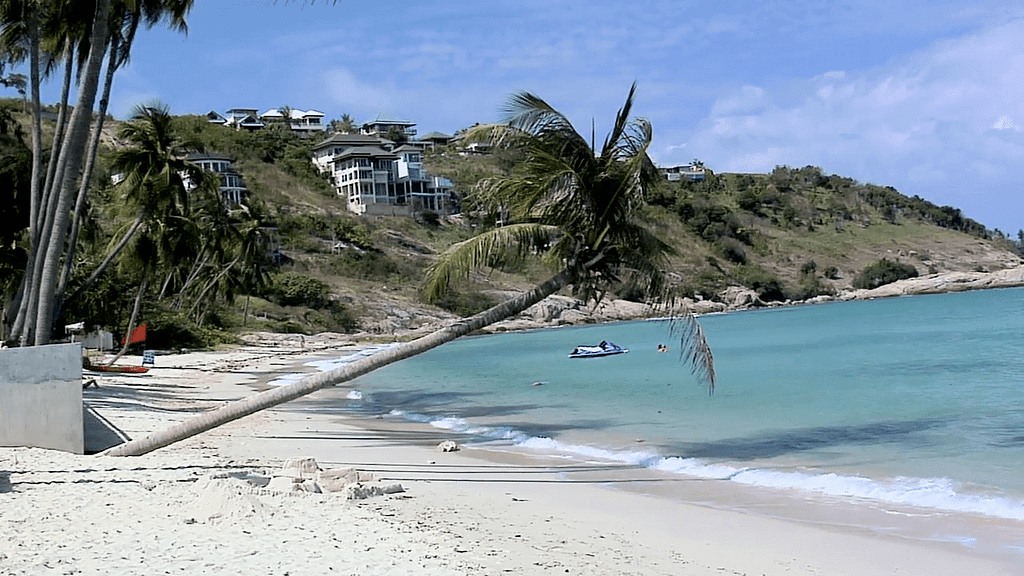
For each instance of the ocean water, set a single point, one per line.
(915, 402)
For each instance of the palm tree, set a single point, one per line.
(77, 33)
(154, 169)
(346, 125)
(576, 207)
(126, 18)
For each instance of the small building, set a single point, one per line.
(383, 127)
(303, 122)
(693, 172)
(244, 119)
(232, 190)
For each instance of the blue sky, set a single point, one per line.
(927, 97)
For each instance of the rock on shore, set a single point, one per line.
(565, 311)
(942, 283)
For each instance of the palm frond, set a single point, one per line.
(459, 260)
(693, 348)
(622, 121)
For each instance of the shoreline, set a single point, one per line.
(472, 511)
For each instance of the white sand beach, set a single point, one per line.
(202, 506)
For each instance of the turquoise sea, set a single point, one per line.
(913, 404)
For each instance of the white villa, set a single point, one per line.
(381, 126)
(232, 190)
(693, 172)
(379, 179)
(304, 122)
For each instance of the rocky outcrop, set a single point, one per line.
(564, 310)
(942, 283)
(392, 320)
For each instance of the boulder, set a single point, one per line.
(739, 297)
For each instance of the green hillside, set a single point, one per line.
(790, 235)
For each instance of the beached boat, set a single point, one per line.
(88, 365)
(605, 348)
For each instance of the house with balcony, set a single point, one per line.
(692, 172)
(302, 122)
(232, 190)
(244, 119)
(376, 178)
(364, 175)
(382, 127)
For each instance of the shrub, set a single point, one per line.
(292, 289)
(732, 250)
(167, 330)
(346, 230)
(465, 303)
(883, 272)
(768, 287)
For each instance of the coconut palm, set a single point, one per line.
(77, 33)
(576, 207)
(126, 17)
(154, 169)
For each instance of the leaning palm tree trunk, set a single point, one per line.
(240, 408)
(109, 258)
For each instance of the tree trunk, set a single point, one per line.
(110, 258)
(269, 398)
(90, 163)
(69, 163)
(21, 311)
(210, 285)
(62, 113)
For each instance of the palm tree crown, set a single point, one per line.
(577, 206)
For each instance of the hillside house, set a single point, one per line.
(434, 139)
(383, 127)
(232, 190)
(303, 122)
(244, 119)
(693, 172)
(379, 179)
(214, 117)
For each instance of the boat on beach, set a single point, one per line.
(605, 348)
(88, 365)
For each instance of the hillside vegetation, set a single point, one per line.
(789, 235)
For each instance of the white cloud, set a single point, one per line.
(1005, 123)
(344, 89)
(923, 124)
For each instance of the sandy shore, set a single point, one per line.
(200, 507)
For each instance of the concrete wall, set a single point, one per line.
(41, 397)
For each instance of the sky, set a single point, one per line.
(926, 96)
